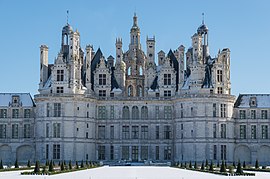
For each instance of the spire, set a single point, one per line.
(67, 16)
(202, 18)
(135, 20)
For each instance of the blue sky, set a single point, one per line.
(241, 25)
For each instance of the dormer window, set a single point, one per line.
(15, 99)
(60, 75)
(102, 79)
(253, 102)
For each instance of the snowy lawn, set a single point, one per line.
(131, 172)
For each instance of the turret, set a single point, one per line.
(88, 58)
(119, 52)
(74, 47)
(150, 43)
(197, 49)
(43, 65)
(66, 31)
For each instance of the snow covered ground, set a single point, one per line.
(130, 172)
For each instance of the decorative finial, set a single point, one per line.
(67, 16)
(202, 18)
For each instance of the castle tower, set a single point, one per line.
(135, 35)
(150, 43)
(161, 57)
(43, 65)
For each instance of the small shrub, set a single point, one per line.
(51, 166)
(222, 168)
(218, 164)
(195, 165)
(257, 164)
(211, 168)
(263, 167)
(202, 167)
(70, 165)
(37, 169)
(62, 168)
(82, 164)
(231, 169)
(1, 164)
(28, 164)
(185, 166)
(244, 164)
(77, 166)
(16, 165)
(181, 165)
(206, 163)
(190, 165)
(239, 169)
(234, 165)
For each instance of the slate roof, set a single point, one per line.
(243, 100)
(175, 63)
(25, 99)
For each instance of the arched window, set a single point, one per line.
(130, 91)
(140, 70)
(125, 112)
(129, 71)
(144, 112)
(139, 91)
(135, 112)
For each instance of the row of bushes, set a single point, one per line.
(205, 167)
(50, 169)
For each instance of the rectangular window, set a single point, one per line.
(112, 132)
(243, 131)
(157, 112)
(167, 79)
(219, 75)
(223, 154)
(101, 152)
(220, 90)
(144, 152)
(167, 132)
(144, 132)
(167, 93)
(56, 151)
(102, 93)
(111, 153)
(57, 109)
(242, 114)
(222, 110)
(112, 112)
(223, 131)
(264, 114)
(214, 110)
(101, 132)
(3, 113)
(157, 152)
(15, 131)
(102, 79)
(215, 152)
(86, 135)
(157, 132)
(264, 131)
(167, 153)
(48, 109)
(214, 130)
(47, 129)
(134, 153)
(59, 89)
(135, 132)
(27, 113)
(26, 131)
(167, 112)
(125, 132)
(253, 132)
(125, 152)
(60, 75)
(47, 151)
(56, 130)
(15, 113)
(253, 114)
(102, 112)
(3, 131)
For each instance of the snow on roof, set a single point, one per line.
(25, 99)
(116, 90)
(263, 100)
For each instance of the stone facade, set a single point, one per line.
(129, 108)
